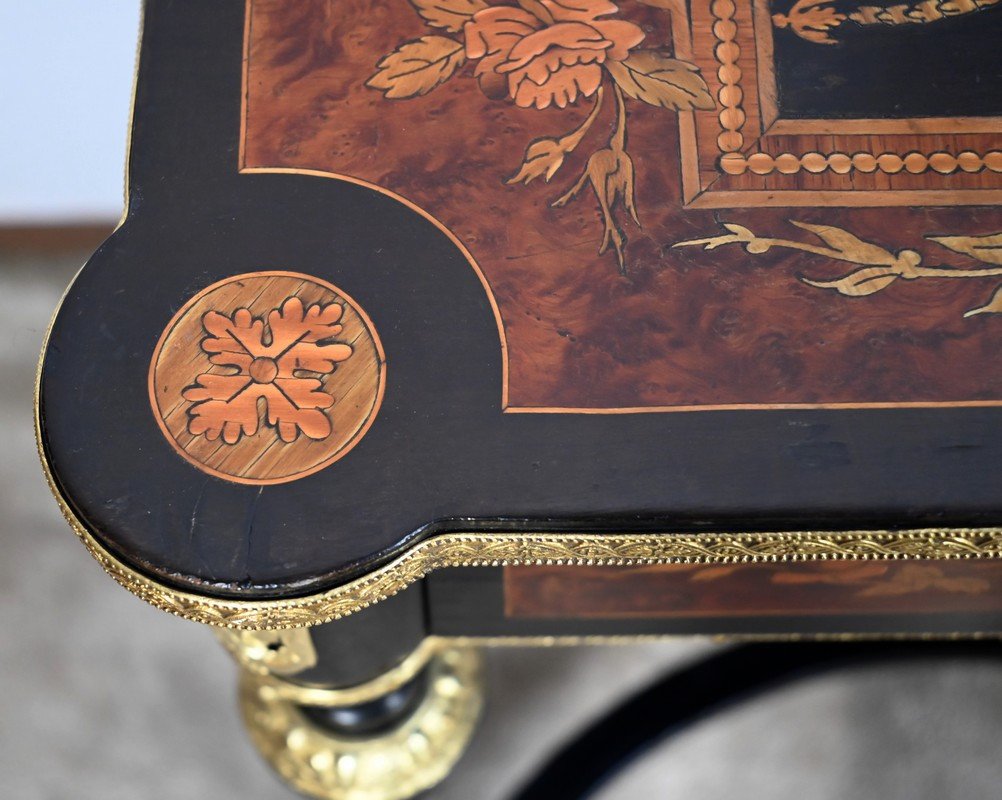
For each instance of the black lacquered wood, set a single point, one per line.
(441, 455)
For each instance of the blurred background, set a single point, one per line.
(104, 697)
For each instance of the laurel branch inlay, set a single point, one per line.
(266, 377)
(880, 267)
(816, 20)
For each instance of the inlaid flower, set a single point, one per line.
(267, 364)
(548, 54)
(551, 53)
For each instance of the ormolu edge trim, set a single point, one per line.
(504, 549)
(512, 549)
(491, 550)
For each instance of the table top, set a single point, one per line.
(419, 285)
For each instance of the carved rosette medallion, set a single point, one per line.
(267, 377)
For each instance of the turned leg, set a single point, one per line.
(333, 735)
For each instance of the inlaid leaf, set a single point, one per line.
(660, 81)
(739, 230)
(448, 14)
(739, 234)
(294, 407)
(302, 338)
(850, 245)
(993, 306)
(224, 406)
(543, 158)
(984, 248)
(859, 283)
(229, 341)
(415, 68)
(538, 10)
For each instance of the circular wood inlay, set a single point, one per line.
(267, 377)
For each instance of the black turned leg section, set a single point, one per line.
(346, 652)
(366, 644)
(365, 706)
(390, 738)
(372, 717)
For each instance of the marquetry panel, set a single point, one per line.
(752, 151)
(266, 377)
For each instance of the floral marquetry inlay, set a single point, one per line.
(269, 361)
(555, 140)
(548, 54)
(266, 377)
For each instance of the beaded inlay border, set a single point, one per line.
(761, 163)
(732, 115)
(732, 118)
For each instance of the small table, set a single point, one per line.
(433, 325)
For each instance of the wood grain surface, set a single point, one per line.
(245, 442)
(682, 328)
(747, 590)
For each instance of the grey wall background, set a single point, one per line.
(104, 697)
(65, 81)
